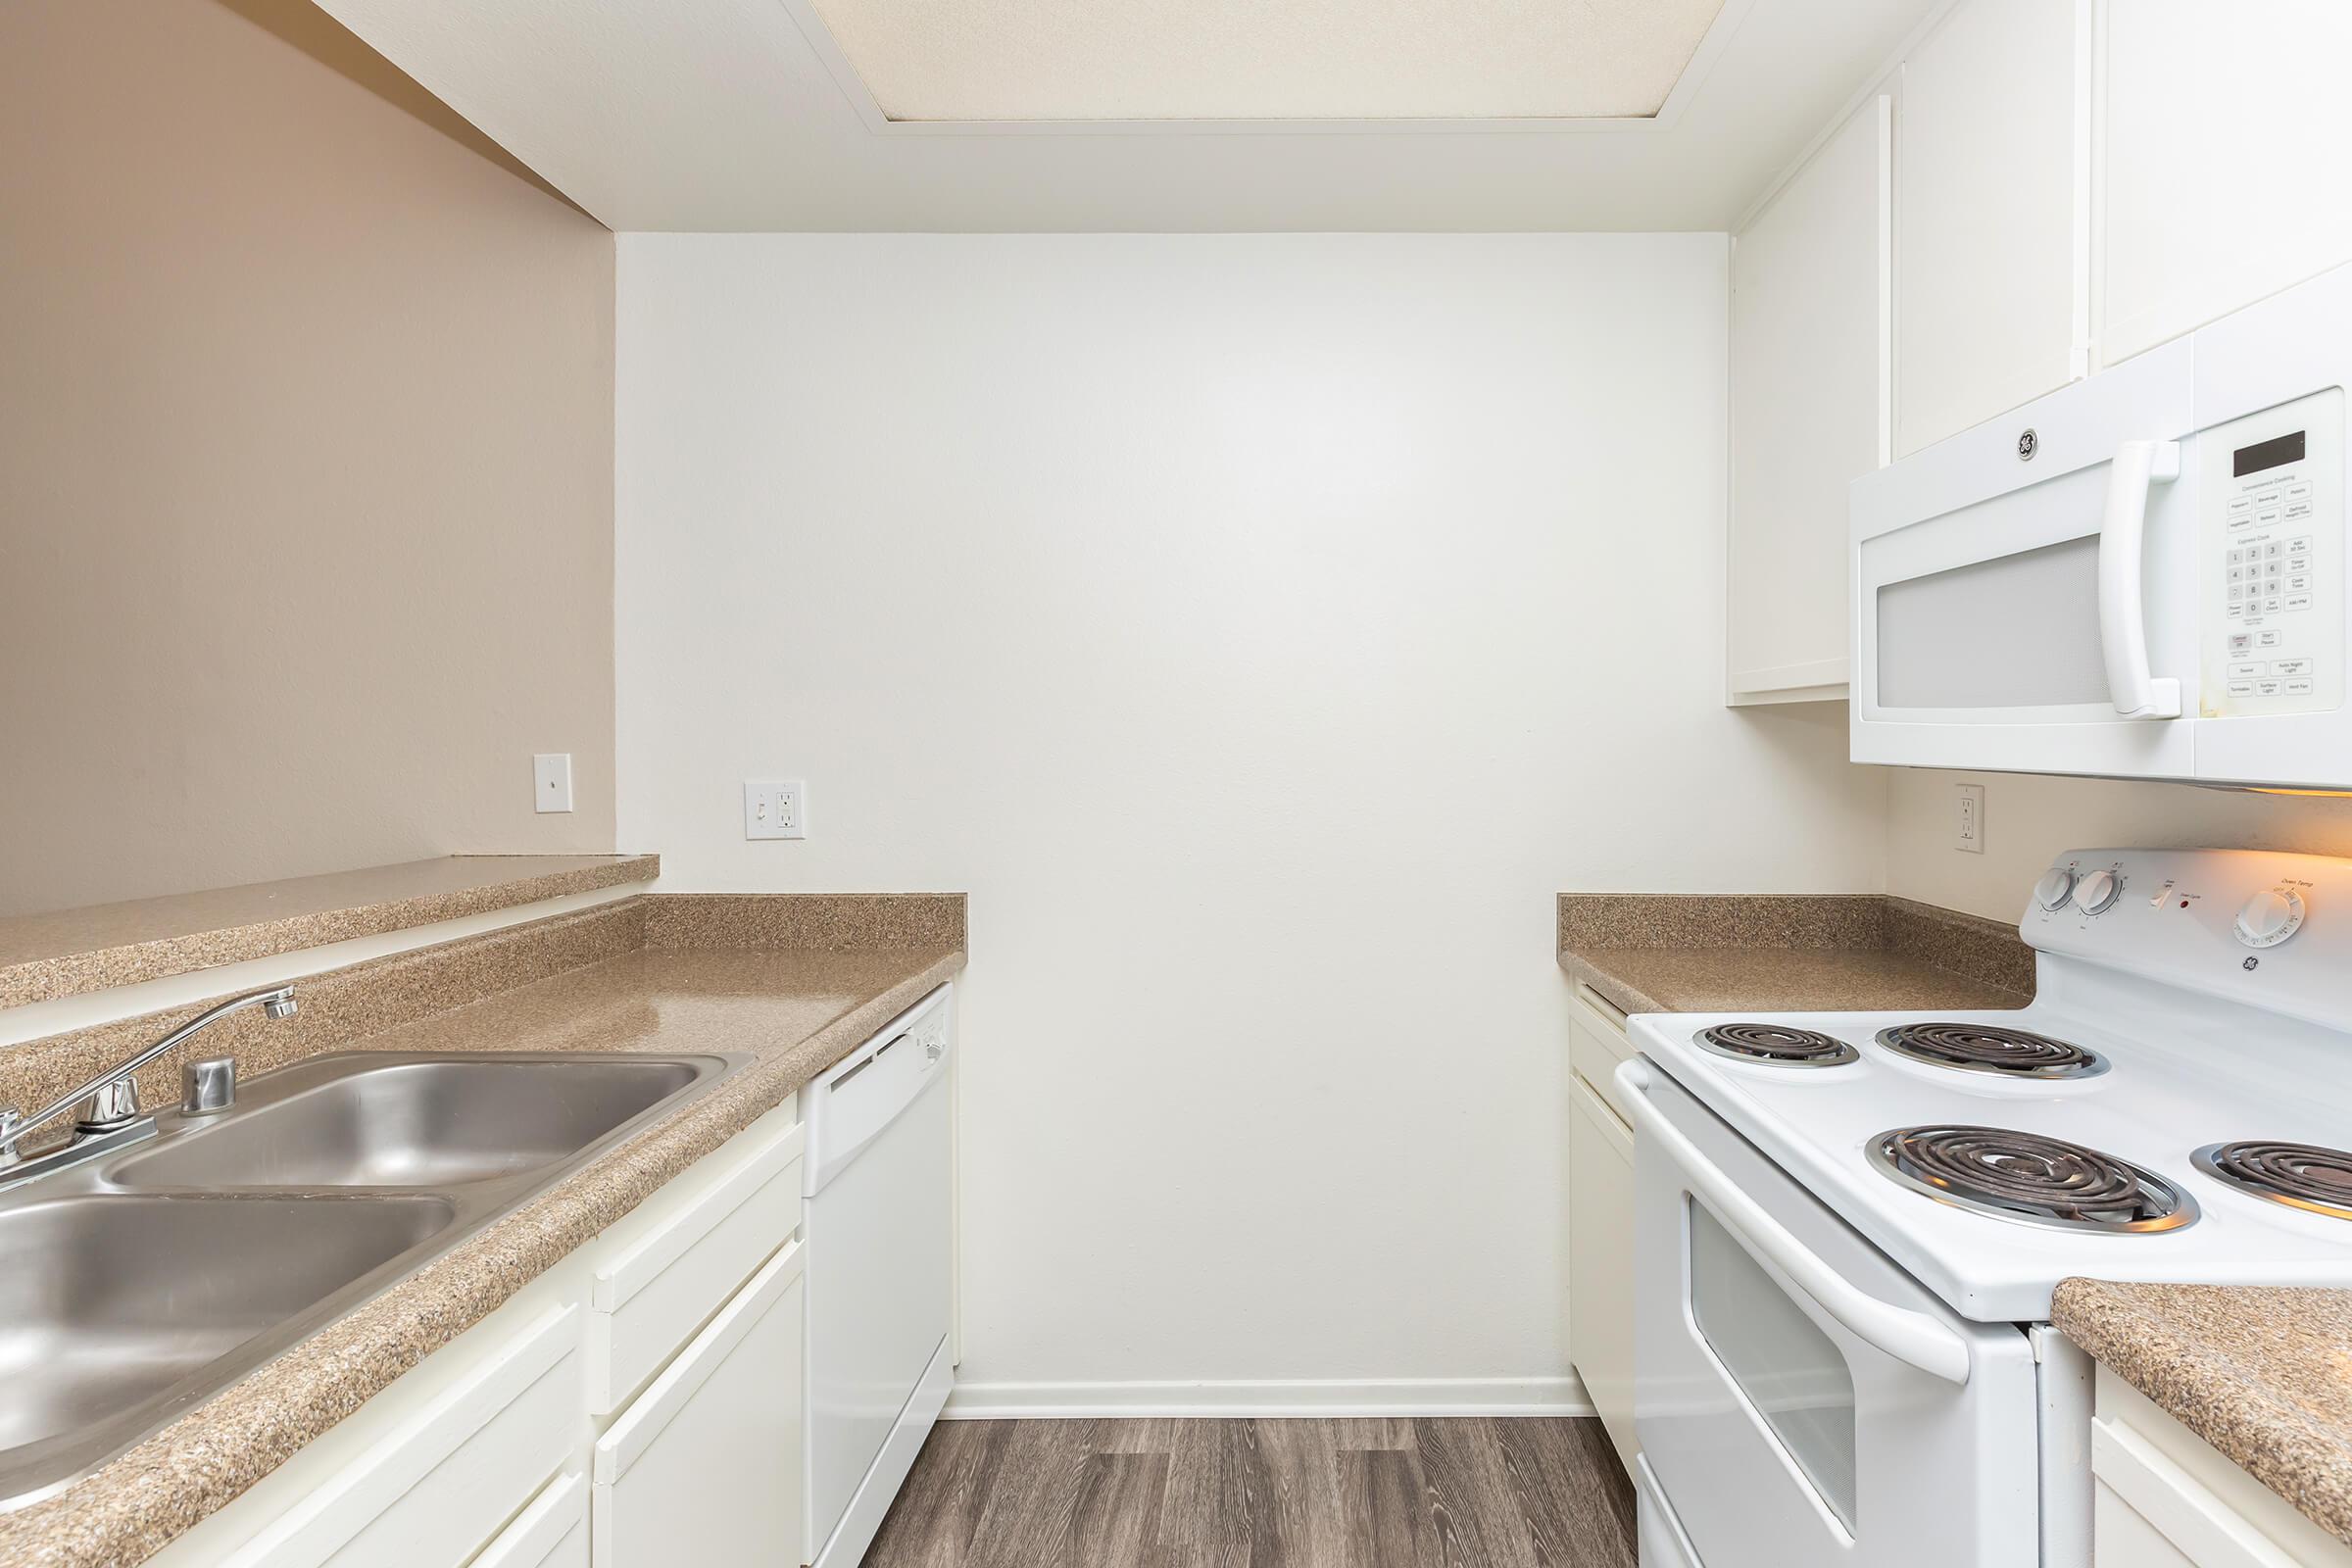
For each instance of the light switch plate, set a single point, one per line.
(775, 808)
(1968, 818)
(551, 782)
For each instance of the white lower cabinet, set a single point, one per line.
(638, 1405)
(452, 1467)
(705, 1465)
(552, 1533)
(1600, 1223)
(2165, 1498)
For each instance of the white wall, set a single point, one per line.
(1262, 629)
(2029, 818)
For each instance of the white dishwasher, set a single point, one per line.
(880, 1285)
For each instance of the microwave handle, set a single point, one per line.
(1912, 1337)
(2123, 626)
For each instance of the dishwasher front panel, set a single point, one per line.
(880, 1259)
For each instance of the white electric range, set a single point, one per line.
(1848, 1226)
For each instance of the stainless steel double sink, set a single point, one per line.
(137, 1285)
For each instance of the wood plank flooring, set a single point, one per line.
(1524, 1493)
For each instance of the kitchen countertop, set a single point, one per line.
(1799, 952)
(64, 953)
(799, 1009)
(2263, 1373)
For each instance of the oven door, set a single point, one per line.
(1800, 1401)
(2026, 593)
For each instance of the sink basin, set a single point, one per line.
(378, 1119)
(113, 1307)
(141, 1283)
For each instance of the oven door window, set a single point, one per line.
(1788, 1369)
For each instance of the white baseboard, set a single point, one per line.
(1325, 1397)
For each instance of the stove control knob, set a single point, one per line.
(2269, 917)
(2098, 892)
(2055, 885)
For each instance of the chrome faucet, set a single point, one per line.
(112, 1116)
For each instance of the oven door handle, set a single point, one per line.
(1912, 1337)
(2123, 619)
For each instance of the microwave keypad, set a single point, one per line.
(2275, 573)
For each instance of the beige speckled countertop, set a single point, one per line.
(800, 1009)
(2261, 1373)
(67, 952)
(1797, 953)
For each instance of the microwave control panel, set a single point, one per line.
(2273, 560)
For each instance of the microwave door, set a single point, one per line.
(2025, 593)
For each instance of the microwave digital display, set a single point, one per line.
(2266, 455)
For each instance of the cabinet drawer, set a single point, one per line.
(552, 1533)
(2163, 1503)
(446, 1479)
(705, 1465)
(659, 1275)
(1597, 1042)
(2167, 1500)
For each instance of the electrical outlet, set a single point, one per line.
(775, 808)
(551, 782)
(1968, 818)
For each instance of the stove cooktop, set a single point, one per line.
(2176, 1104)
(2151, 1125)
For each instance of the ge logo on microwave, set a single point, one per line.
(2027, 443)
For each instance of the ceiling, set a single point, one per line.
(1082, 60)
(750, 114)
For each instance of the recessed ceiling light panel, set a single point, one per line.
(1010, 60)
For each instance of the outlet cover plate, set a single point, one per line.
(551, 782)
(1968, 818)
(775, 808)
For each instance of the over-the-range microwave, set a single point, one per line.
(2142, 575)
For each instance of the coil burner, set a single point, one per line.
(1777, 1044)
(2032, 1179)
(1989, 1047)
(2299, 1175)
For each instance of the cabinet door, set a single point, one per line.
(1601, 1261)
(705, 1465)
(1809, 408)
(2226, 135)
(1991, 215)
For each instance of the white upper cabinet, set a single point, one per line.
(1809, 408)
(1991, 215)
(2226, 130)
(2072, 182)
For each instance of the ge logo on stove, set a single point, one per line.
(2251, 963)
(2027, 443)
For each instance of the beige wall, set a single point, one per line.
(305, 463)
(2029, 818)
